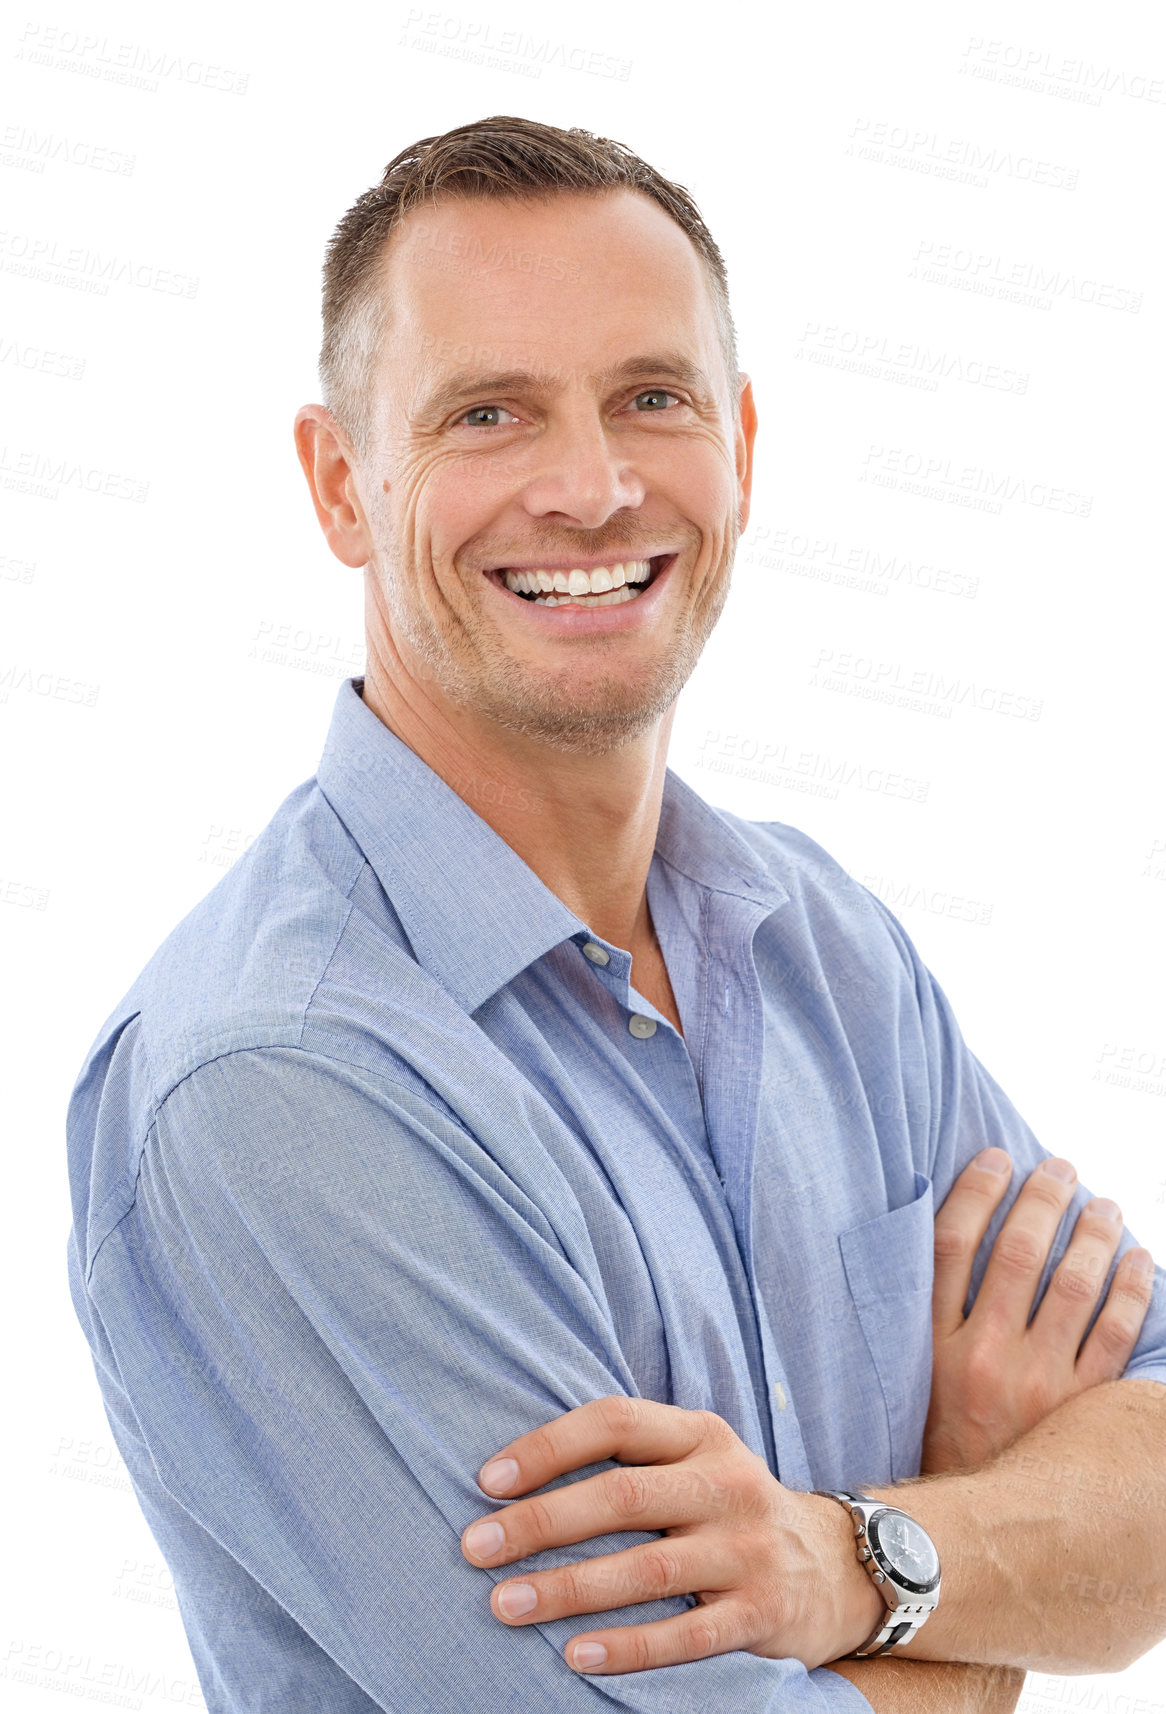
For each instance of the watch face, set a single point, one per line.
(904, 1549)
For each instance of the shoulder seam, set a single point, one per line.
(335, 948)
(295, 1048)
(258, 1047)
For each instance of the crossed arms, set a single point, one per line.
(1021, 1421)
(304, 1441)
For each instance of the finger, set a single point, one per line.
(1059, 1324)
(638, 1431)
(628, 1497)
(960, 1226)
(672, 1565)
(711, 1628)
(1114, 1334)
(1022, 1246)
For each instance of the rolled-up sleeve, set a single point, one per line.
(325, 1308)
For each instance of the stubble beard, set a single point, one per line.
(472, 669)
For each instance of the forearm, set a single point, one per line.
(1054, 1556)
(933, 1687)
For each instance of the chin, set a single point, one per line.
(605, 721)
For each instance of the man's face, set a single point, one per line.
(551, 398)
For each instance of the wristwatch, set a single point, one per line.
(900, 1558)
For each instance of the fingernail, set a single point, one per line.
(1141, 1261)
(586, 1655)
(1061, 1170)
(499, 1475)
(993, 1160)
(484, 1540)
(1108, 1210)
(515, 1599)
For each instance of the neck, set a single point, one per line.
(585, 824)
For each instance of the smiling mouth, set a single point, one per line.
(602, 586)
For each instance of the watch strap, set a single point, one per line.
(885, 1636)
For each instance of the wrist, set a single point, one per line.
(859, 1608)
(946, 1508)
(899, 1559)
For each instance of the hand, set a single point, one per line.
(994, 1376)
(774, 1571)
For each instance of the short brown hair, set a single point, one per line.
(501, 157)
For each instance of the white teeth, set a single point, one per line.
(597, 582)
(600, 586)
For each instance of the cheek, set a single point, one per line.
(702, 480)
(442, 501)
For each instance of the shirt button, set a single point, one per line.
(641, 1026)
(596, 953)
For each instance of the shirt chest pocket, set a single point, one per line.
(889, 1264)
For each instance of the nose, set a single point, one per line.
(583, 474)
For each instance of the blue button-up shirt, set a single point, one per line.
(371, 1175)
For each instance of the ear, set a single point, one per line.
(746, 435)
(329, 463)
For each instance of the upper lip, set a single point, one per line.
(585, 562)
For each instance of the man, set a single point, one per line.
(507, 1105)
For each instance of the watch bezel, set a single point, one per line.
(884, 1561)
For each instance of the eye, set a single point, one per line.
(486, 416)
(655, 399)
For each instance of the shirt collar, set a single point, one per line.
(475, 913)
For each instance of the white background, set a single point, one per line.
(943, 229)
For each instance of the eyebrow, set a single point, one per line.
(470, 383)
